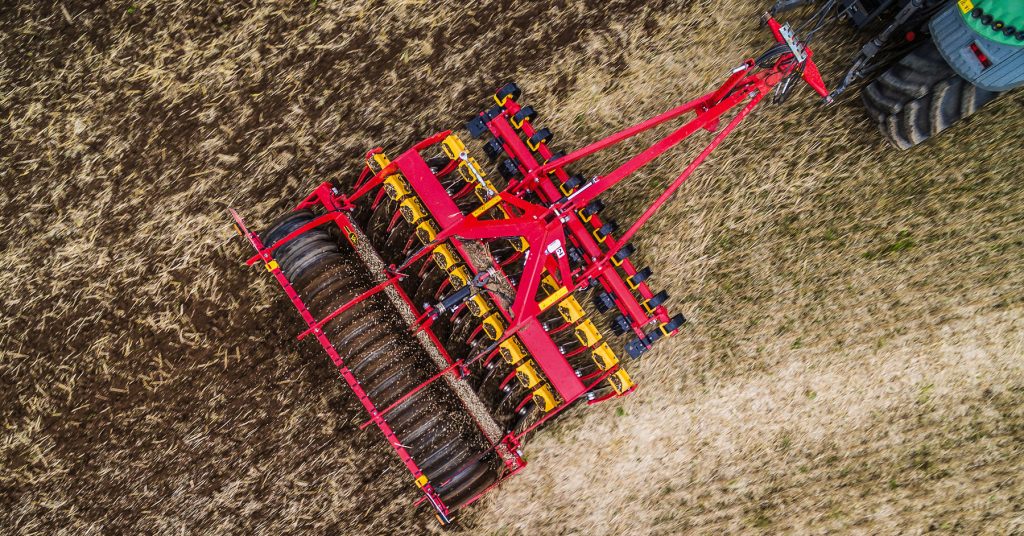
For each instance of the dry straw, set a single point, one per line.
(853, 361)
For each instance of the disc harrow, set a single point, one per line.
(468, 296)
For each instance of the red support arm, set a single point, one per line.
(590, 192)
(626, 236)
(619, 136)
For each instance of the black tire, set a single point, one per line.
(920, 96)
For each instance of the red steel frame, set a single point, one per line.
(557, 219)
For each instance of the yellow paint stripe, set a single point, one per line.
(554, 297)
(486, 206)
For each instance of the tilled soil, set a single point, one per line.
(853, 361)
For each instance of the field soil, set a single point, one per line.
(854, 360)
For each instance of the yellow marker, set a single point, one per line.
(381, 160)
(395, 187)
(533, 146)
(459, 277)
(421, 481)
(527, 375)
(494, 327)
(570, 309)
(554, 297)
(512, 351)
(965, 5)
(412, 210)
(587, 333)
(486, 206)
(620, 381)
(648, 307)
(470, 170)
(453, 146)
(272, 265)
(520, 244)
(426, 232)
(350, 234)
(604, 357)
(444, 257)
(517, 124)
(478, 305)
(544, 399)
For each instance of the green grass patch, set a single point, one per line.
(904, 242)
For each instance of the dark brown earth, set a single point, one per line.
(853, 364)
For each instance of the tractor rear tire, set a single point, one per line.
(920, 96)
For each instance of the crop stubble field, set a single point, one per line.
(854, 357)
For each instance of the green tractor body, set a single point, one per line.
(930, 63)
(983, 41)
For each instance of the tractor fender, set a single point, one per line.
(953, 34)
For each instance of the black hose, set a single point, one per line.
(767, 60)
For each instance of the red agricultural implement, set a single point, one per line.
(466, 309)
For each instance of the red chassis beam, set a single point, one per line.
(548, 227)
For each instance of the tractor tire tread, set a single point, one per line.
(919, 97)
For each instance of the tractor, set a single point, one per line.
(930, 63)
